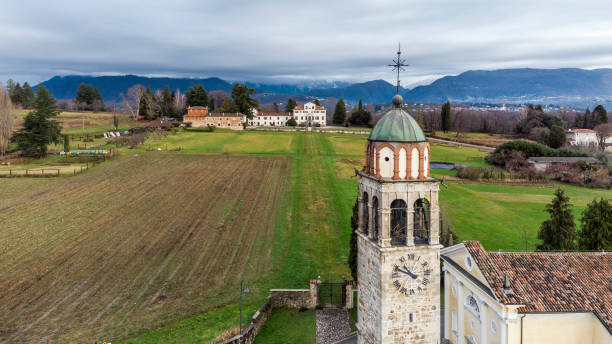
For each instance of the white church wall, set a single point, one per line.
(402, 163)
(386, 162)
(414, 167)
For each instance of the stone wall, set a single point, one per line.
(278, 298)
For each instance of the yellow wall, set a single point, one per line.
(560, 328)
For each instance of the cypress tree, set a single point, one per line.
(17, 95)
(66, 143)
(39, 130)
(339, 112)
(420, 118)
(596, 223)
(167, 106)
(559, 231)
(317, 102)
(446, 116)
(352, 259)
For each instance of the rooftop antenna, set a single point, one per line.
(398, 65)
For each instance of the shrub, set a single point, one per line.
(469, 172)
(506, 151)
(211, 128)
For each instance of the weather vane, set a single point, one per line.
(398, 65)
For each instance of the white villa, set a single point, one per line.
(270, 119)
(307, 115)
(310, 114)
(584, 137)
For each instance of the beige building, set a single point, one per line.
(198, 116)
(526, 298)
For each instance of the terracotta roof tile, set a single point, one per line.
(550, 281)
(273, 114)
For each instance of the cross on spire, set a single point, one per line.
(398, 65)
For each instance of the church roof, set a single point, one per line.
(397, 126)
(550, 281)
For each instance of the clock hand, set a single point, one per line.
(407, 272)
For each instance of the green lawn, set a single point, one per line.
(312, 230)
(506, 217)
(288, 326)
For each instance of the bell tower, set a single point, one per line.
(398, 235)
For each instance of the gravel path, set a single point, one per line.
(332, 325)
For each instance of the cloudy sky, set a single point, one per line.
(292, 41)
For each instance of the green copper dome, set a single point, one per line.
(397, 126)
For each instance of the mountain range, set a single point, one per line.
(566, 86)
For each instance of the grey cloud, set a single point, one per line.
(292, 41)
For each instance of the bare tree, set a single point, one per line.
(603, 132)
(131, 101)
(216, 98)
(6, 120)
(179, 102)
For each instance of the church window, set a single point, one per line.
(366, 212)
(410, 317)
(468, 262)
(472, 305)
(421, 221)
(493, 326)
(375, 210)
(398, 222)
(454, 289)
(454, 321)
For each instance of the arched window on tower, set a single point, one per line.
(421, 221)
(366, 213)
(398, 222)
(375, 210)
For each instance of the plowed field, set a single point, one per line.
(133, 244)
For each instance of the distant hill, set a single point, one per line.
(550, 86)
(567, 86)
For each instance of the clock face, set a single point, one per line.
(411, 274)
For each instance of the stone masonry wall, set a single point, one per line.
(278, 298)
(368, 274)
(412, 318)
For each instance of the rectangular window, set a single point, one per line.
(454, 321)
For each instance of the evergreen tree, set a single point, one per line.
(245, 104)
(588, 119)
(556, 138)
(167, 105)
(558, 232)
(197, 96)
(66, 143)
(446, 116)
(600, 115)
(17, 95)
(596, 223)
(39, 130)
(10, 86)
(290, 105)
(352, 259)
(360, 116)
(116, 121)
(339, 112)
(317, 102)
(28, 98)
(147, 105)
(88, 98)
